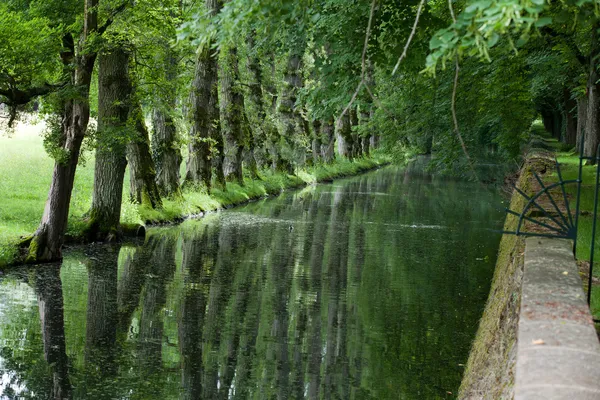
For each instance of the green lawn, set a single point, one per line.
(569, 166)
(26, 173)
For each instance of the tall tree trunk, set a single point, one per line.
(48, 288)
(165, 147)
(374, 140)
(365, 139)
(570, 119)
(204, 114)
(581, 120)
(232, 109)
(114, 90)
(48, 239)
(356, 142)
(344, 138)
(143, 188)
(557, 124)
(316, 141)
(327, 140)
(258, 140)
(592, 123)
(166, 153)
(272, 133)
(291, 124)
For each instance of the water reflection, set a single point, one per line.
(331, 292)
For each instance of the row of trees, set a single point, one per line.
(241, 86)
(236, 104)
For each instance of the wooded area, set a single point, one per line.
(237, 87)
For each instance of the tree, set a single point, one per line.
(114, 96)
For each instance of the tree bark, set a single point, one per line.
(48, 239)
(232, 110)
(581, 120)
(570, 119)
(114, 90)
(316, 141)
(272, 133)
(327, 140)
(206, 145)
(291, 124)
(167, 155)
(143, 188)
(365, 139)
(374, 140)
(344, 138)
(356, 142)
(258, 140)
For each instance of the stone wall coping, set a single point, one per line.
(558, 352)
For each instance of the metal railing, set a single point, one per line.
(566, 223)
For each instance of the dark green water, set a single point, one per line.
(367, 288)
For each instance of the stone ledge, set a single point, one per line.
(558, 353)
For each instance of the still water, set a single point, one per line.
(367, 288)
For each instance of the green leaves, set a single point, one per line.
(28, 49)
(479, 27)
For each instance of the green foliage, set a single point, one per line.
(28, 49)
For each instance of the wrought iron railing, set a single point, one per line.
(565, 223)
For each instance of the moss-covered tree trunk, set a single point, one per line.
(570, 118)
(204, 113)
(365, 139)
(143, 188)
(290, 121)
(205, 77)
(356, 141)
(165, 145)
(167, 154)
(327, 140)
(258, 139)
(344, 137)
(592, 123)
(114, 90)
(48, 239)
(235, 129)
(316, 141)
(581, 120)
(272, 133)
(375, 139)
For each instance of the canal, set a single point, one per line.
(366, 288)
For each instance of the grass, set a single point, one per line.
(26, 174)
(569, 166)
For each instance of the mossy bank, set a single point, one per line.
(192, 202)
(489, 372)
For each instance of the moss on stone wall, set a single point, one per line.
(489, 373)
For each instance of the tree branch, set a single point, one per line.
(453, 103)
(112, 16)
(412, 34)
(363, 66)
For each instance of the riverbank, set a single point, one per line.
(26, 172)
(490, 371)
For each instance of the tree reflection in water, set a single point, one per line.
(367, 288)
